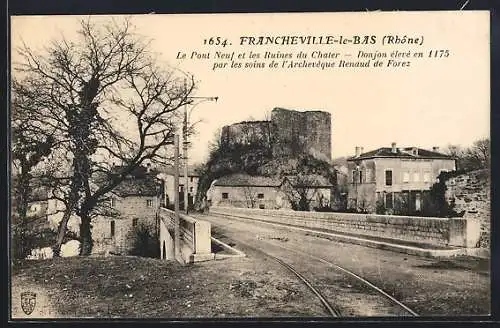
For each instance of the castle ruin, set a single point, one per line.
(289, 133)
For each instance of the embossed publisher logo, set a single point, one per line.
(28, 302)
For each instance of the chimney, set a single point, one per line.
(357, 151)
(415, 151)
(361, 150)
(435, 149)
(394, 149)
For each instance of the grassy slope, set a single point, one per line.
(134, 287)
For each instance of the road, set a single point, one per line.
(430, 287)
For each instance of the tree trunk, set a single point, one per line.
(22, 200)
(85, 235)
(61, 232)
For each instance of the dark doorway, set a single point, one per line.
(164, 253)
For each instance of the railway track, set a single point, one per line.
(331, 309)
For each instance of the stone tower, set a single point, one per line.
(303, 132)
(290, 133)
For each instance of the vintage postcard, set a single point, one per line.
(276, 165)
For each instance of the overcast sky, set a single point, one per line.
(434, 102)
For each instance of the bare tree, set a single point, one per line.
(94, 85)
(32, 142)
(471, 158)
(479, 154)
(301, 191)
(250, 196)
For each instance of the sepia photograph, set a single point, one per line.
(207, 166)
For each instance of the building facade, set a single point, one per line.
(166, 175)
(245, 191)
(394, 180)
(134, 202)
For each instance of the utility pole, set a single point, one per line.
(185, 156)
(176, 199)
(185, 145)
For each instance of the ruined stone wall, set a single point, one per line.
(248, 132)
(308, 132)
(291, 132)
(470, 192)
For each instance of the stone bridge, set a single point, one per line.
(194, 235)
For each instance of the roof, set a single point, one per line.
(246, 180)
(137, 187)
(193, 171)
(401, 153)
(138, 172)
(310, 180)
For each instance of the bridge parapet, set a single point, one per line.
(195, 242)
(456, 232)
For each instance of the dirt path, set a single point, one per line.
(43, 306)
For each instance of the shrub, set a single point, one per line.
(145, 241)
(25, 239)
(380, 209)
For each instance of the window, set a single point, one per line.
(354, 176)
(360, 176)
(149, 203)
(260, 196)
(190, 189)
(181, 188)
(113, 202)
(368, 175)
(191, 179)
(261, 206)
(134, 222)
(388, 177)
(388, 200)
(225, 195)
(406, 177)
(427, 177)
(112, 228)
(416, 177)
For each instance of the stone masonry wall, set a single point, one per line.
(309, 131)
(291, 131)
(248, 132)
(130, 208)
(122, 241)
(470, 192)
(436, 231)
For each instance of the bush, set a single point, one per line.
(24, 240)
(146, 241)
(380, 209)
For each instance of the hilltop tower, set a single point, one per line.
(289, 132)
